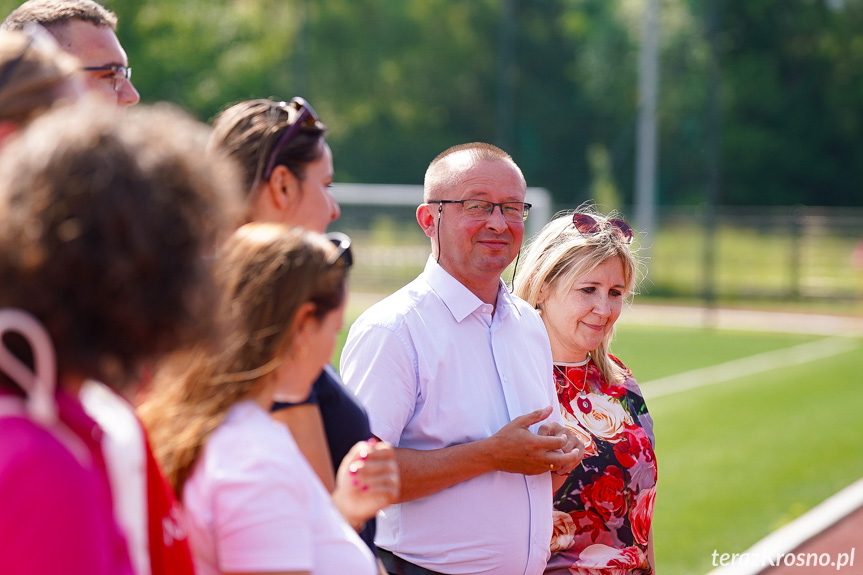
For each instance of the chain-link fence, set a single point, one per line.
(784, 253)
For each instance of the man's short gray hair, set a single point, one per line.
(51, 13)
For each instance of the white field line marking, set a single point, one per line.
(792, 535)
(751, 365)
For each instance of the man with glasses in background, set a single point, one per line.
(457, 374)
(86, 30)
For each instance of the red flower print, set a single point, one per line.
(628, 558)
(628, 449)
(594, 378)
(612, 389)
(605, 494)
(642, 514)
(575, 375)
(589, 529)
(611, 560)
(566, 394)
(646, 447)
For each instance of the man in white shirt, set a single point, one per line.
(457, 374)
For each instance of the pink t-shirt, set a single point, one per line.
(55, 509)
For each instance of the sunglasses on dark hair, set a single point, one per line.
(587, 225)
(343, 251)
(305, 115)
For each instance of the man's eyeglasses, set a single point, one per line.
(120, 75)
(305, 115)
(343, 251)
(481, 210)
(588, 225)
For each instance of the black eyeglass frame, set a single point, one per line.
(121, 74)
(344, 255)
(305, 113)
(490, 210)
(587, 225)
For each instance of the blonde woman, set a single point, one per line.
(254, 503)
(577, 273)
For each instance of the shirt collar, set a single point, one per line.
(460, 301)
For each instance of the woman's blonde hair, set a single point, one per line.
(559, 255)
(266, 271)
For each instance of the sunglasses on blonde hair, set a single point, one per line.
(587, 225)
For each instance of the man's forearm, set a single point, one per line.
(426, 472)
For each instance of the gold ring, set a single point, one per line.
(551, 466)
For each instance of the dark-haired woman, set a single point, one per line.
(288, 168)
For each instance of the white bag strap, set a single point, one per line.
(40, 404)
(38, 384)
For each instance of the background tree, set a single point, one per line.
(550, 80)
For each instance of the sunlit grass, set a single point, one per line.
(738, 460)
(652, 352)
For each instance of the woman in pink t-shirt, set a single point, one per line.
(253, 501)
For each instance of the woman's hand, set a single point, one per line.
(367, 481)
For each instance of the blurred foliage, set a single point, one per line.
(551, 81)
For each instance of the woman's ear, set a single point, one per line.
(282, 188)
(303, 325)
(542, 296)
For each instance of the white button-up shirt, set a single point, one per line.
(435, 367)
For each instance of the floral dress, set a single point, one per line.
(603, 511)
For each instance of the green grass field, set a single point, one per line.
(739, 459)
